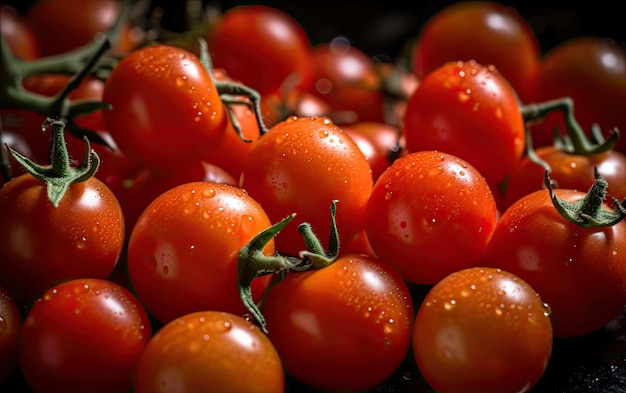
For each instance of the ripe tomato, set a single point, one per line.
(578, 271)
(482, 330)
(262, 47)
(166, 109)
(83, 335)
(79, 27)
(469, 110)
(347, 80)
(210, 351)
(344, 327)
(41, 246)
(300, 166)
(429, 214)
(485, 31)
(10, 326)
(18, 34)
(182, 252)
(592, 71)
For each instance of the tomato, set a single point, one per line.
(18, 34)
(83, 335)
(41, 246)
(486, 327)
(347, 79)
(300, 166)
(16, 142)
(485, 31)
(344, 327)
(262, 47)
(592, 71)
(182, 252)
(166, 111)
(284, 103)
(575, 171)
(210, 351)
(381, 143)
(430, 213)
(10, 326)
(579, 271)
(79, 27)
(469, 110)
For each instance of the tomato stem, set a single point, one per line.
(60, 175)
(588, 212)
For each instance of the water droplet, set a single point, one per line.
(181, 80)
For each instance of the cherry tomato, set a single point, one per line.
(16, 142)
(262, 47)
(485, 31)
(18, 34)
(300, 166)
(592, 71)
(567, 171)
(469, 110)
(41, 246)
(59, 31)
(182, 252)
(166, 109)
(83, 335)
(210, 351)
(10, 327)
(344, 327)
(482, 330)
(578, 271)
(430, 214)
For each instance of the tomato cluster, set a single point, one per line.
(239, 207)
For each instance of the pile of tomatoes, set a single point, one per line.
(236, 208)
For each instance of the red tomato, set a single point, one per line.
(575, 171)
(81, 21)
(18, 34)
(41, 246)
(166, 111)
(182, 252)
(485, 31)
(430, 214)
(18, 143)
(347, 80)
(10, 327)
(210, 351)
(300, 166)
(344, 327)
(592, 71)
(469, 110)
(578, 271)
(262, 47)
(284, 103)
(83, 335)
(482, 330)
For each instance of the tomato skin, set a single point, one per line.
(93, 328)
(469, 110)
(592, 71)
(578, 271)
(41, 246)
(300, 166)
(166, 109)
(18, 34)
(328, 323)
(485, 31)
(420, 206)
(11, 323)
(567, 171)
(487, 328)
(182, 252)
(258, 40)
(210, 351)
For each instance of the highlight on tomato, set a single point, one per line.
(482, 329)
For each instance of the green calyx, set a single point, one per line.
(60, 175)
(589, 211)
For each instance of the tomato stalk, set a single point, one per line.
(60, 175)
(589, 212)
